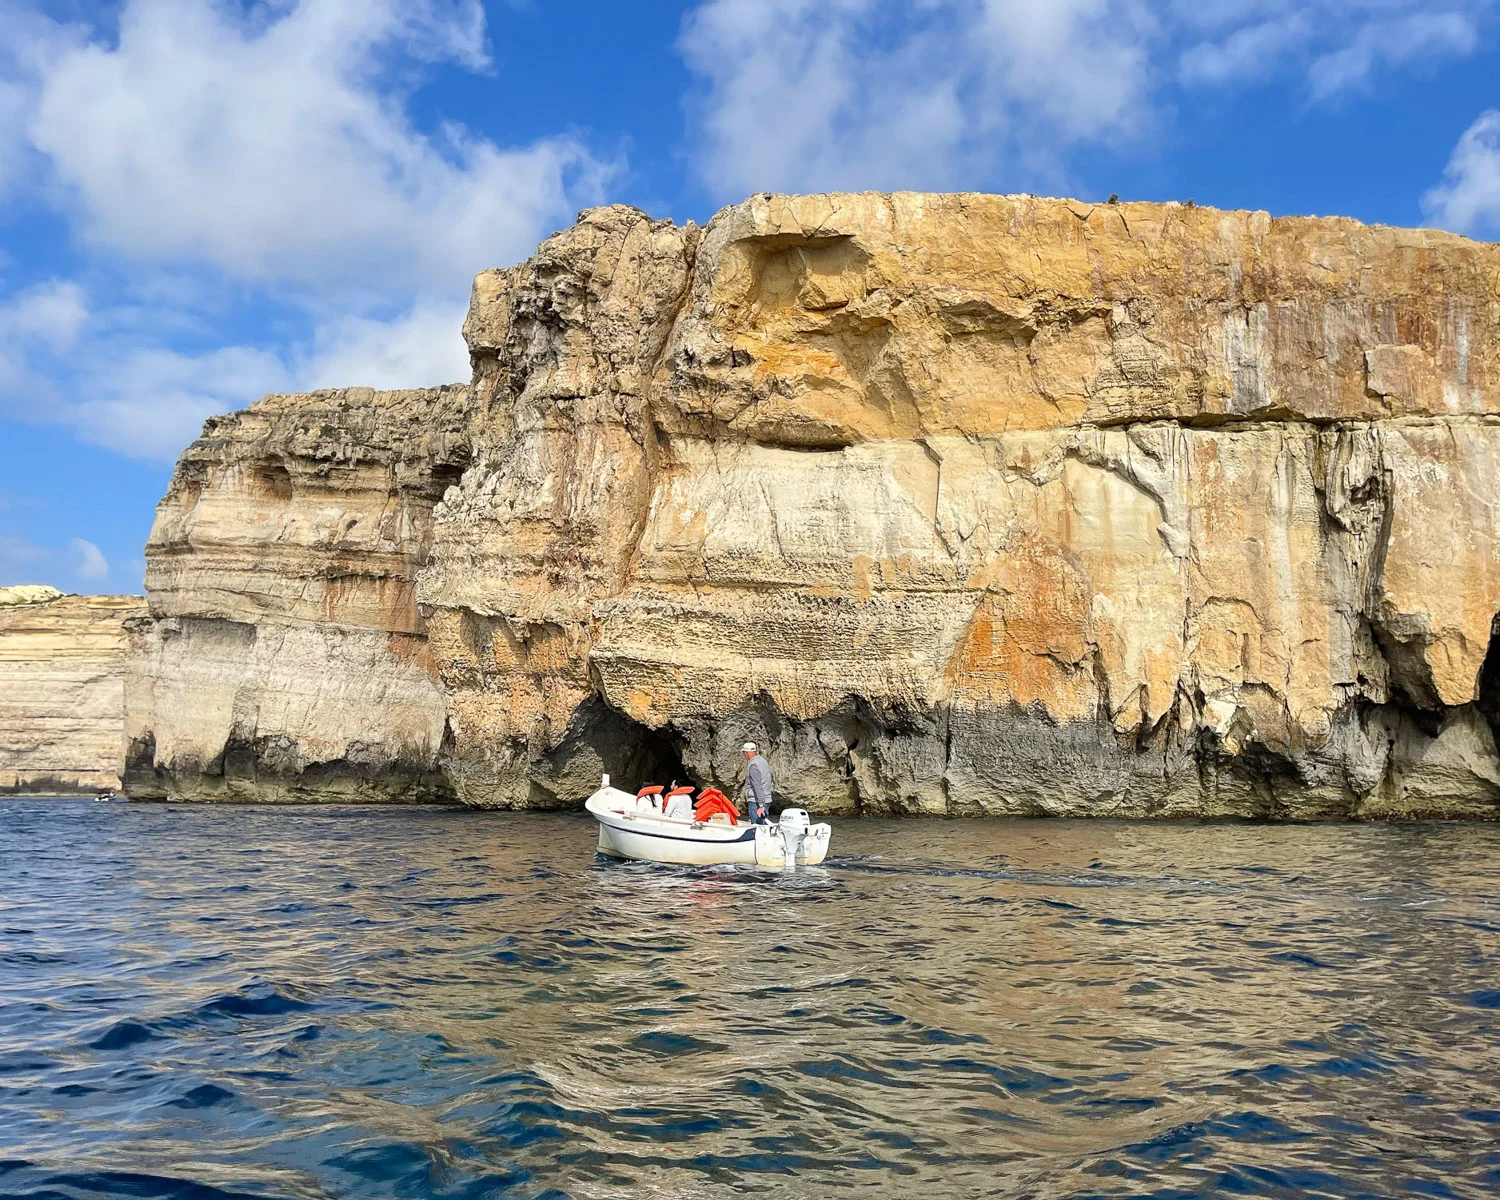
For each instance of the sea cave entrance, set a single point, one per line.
(1489, 682)
(602, 740)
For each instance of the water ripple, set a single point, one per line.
(271, 1002)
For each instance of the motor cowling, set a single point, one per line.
(793, 827)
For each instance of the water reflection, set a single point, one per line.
(320, 1003)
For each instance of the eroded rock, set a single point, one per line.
(958, 503)
(286, 658)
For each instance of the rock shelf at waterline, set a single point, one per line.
(955, 503)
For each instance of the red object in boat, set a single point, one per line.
(680, 791)
(711, 801)
(652, 789)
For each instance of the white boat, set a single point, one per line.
(635, 827)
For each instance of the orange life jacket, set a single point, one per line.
(712, 801)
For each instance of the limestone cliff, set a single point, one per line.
(62, 670)
(285, 658)
(960, 503)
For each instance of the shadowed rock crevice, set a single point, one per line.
(271, 771)
(1489, 681)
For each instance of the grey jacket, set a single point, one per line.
(758, 781)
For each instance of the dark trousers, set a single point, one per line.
(758, 812)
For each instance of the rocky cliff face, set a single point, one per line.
(285, 658)
(959, 503)
(62, 670)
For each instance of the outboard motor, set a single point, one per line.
(793, 827)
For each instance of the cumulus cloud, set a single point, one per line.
(1416, 37)
(821, 94)
(274, 145)
(29, 42)
(424, 345)
(127, 394)
(1468, 199)
(259, 154)
(812, 95)
(1337, 46)
(42, 319)
(148, 401)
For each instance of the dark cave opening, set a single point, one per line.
(602, 740)
(642, 755)
(1489, 682)
(445, 475)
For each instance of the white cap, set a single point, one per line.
(749, 746)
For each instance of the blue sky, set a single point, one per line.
(205, 200)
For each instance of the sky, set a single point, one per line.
(202, 201)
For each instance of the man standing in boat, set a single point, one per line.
(757, 785)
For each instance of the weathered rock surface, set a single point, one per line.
(959, 503)
(62, 703)
(285, 658)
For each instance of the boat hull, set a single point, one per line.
(646, 845)
(645, 836)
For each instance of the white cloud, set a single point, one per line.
(811, 95)
(29, 41)
(44, 318)
(126, 394)
(199, 146)
(51, 313)
(1247, 52)
(1417, 37)
(423, 346)
(148, 401)
(822, 94)
(81, 566)
(1468, 199)
(1338, 46)
(91, 565)
(274, 145)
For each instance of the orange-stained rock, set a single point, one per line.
(956, 503)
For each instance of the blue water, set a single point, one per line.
(210, 1002)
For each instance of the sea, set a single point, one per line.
(204, 1003)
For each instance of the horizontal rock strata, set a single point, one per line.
(285, 658)
(62, 672)
(958, 503)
